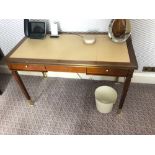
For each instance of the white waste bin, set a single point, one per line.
(105, 98)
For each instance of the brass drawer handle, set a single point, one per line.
(26, 66)
(107, 70)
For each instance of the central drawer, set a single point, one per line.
(106, 71)
(57, 68)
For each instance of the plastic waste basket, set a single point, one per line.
(105, 98)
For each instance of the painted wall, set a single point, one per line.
(11, 32)
(143, 38)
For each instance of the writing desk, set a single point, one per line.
(68, 53)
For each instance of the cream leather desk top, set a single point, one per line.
(71, 47)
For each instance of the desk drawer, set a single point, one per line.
(75, 69)
(27, 67)
(106, 71)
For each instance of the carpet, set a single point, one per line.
(67, 107)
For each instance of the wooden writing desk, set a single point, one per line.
(68, 53)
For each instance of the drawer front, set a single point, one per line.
(27, 67)
(106, 71)
(75, 69)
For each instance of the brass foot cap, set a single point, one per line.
(119, 111)
(30, 103)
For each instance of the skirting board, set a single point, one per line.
(146, 77)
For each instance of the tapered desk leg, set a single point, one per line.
(124, 92)
(21, 85)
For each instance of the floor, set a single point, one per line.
(67, 106)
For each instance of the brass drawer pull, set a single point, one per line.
(26, 66)
(107, 70)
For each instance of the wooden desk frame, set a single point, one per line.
(94, 68)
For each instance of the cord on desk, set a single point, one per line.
(77, 34)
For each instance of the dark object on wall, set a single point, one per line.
(34, 29)
(148, 69)
(1, 54)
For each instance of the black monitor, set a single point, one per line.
(37, 29)
(34, 29)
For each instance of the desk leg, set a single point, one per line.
(22, 87)
(124, 93)
(0, 92)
